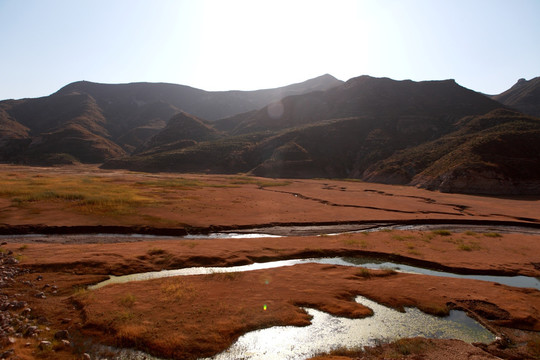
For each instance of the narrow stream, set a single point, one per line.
(516, 281)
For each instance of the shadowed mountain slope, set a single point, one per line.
(121, 116)
(434, 134)
(55, 129)
(208, 105)
(397, 132)
(523, 96)
(182, 130)
(438, 101)
(495, 153)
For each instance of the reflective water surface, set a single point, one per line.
(516, 281)
(328, 332)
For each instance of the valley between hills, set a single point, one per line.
(101, 181)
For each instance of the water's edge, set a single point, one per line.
(366, 262)
(310, 228)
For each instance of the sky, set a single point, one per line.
(485, 45)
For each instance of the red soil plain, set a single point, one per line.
(195, 316)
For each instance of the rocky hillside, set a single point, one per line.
(523, 96)
(55, 129)
(436, 101)
(434, 134)
(495, 153)
(182, 130)
(90, 122)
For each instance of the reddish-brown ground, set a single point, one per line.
(193, 316)
(239, 200)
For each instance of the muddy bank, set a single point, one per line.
(281, 229)
(506, 254)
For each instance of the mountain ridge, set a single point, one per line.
(124, 114)
(433, 134)
(524, 96)
(346, 131)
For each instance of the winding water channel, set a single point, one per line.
(516, 281)
(327, 332)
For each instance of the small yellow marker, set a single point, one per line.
(264, 307)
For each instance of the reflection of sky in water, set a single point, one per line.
(518, 281)
(230, 236)
(328, 332)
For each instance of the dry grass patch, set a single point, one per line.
(467, 245)
(176, 289)
(492, 234)
(351, 241)
(127, 300)
(403, 237)
(243, 180)
(88, 195)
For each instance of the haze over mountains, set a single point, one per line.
(434, 134)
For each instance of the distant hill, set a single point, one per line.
(433, 134)
(523, 96)
(365, 95)
(113, 120)
(208, 105)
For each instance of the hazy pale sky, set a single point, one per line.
(486, 45)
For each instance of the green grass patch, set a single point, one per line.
(467, 246)
(388, 271)
(403, 237)
(243, 180)
(189, 244)
(409, 346)
(492, 234)
(174, 183)
(355, 242)
(364, 273)
(427, 237)
(124, 316)
(127, 300)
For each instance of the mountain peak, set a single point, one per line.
(524, 96)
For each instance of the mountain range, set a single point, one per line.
(433, 134)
